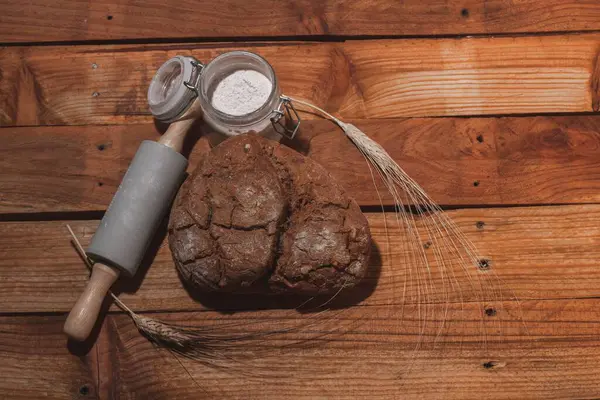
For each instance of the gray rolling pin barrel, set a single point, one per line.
(138, 207)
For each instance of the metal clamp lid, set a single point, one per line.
(194, 82)
(285, 109)
(174, 88)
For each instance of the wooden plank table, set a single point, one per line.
(490, 105)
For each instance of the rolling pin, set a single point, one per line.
(129, 224)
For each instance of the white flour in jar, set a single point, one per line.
(242, 92)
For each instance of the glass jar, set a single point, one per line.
(182, 80)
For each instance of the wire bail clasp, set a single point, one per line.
(286, 109)
(192, 84)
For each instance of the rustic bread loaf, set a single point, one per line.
(258, 216)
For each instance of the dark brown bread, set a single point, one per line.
(256, 215)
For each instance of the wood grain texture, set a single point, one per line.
(74, 85)
(525, 160)
(556, 357)
(72, 20)
(375, 358)
(36, 362)
(72, 117)
(537, 252)
(370, 355)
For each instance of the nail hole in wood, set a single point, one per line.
(101, 147)
(464, 12)
(484, 264)
(100, 184)
(489, 364)
(490, 312)
(476, 183)
(480, 138)
(480, 224)
(109, 17)
(84, 390)
(427, 245)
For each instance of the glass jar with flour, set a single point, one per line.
(238, 93)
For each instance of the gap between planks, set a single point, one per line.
(71, 20)
(516, 161)
(537, 252)
(557, 357)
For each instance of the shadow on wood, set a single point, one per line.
(302, 141)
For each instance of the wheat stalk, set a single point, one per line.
(204, 343)
(454, 255)
(188, 341)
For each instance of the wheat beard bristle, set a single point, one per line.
(454, 255)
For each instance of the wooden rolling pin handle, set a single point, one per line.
(83, 315)
(175, 135)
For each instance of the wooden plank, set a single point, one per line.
(364, 352)
(36, 362)
(525, 160)
(66, 168)
(374, 357)
(536, 252)
(72, 85)
(72, 20)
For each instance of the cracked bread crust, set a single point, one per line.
(258, 216)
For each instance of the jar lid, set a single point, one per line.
(174, 88)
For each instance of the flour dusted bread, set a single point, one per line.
(258, 216)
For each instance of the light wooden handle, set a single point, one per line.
(83, 315)
(175, 134)
(174, 137)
